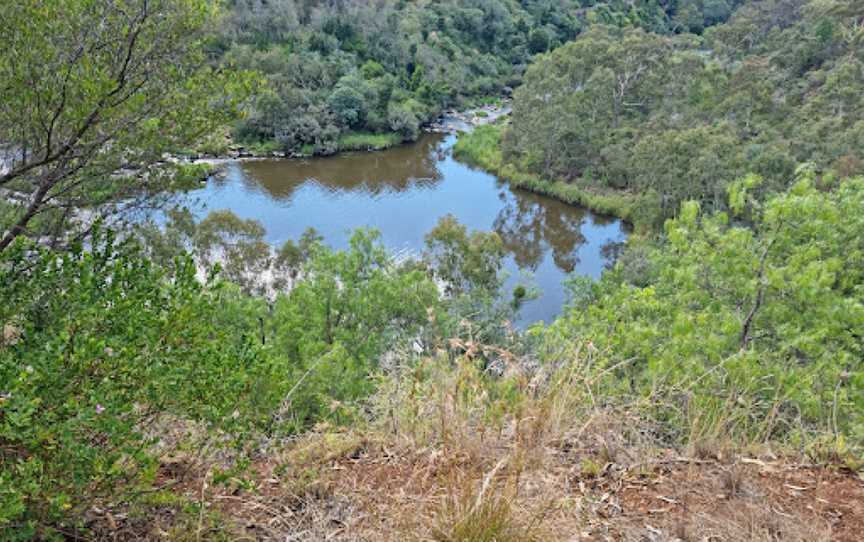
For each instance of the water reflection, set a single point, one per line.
(397, 170)
(403, 192)
(528, 225)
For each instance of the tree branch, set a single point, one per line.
(760, 299)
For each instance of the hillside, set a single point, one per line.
(338, 72)
(658, 120)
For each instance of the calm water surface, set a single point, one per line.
(403, 192)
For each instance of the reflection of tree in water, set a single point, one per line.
(396, 170)
(528, 227)
(611, 251)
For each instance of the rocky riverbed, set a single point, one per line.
(453, 121)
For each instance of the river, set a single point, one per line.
(403, 192)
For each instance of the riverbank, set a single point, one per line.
(481, 148)
(451, 121)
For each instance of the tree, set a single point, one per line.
(754, 314)
(465, 261)
(403, 121)
(539, 40)
(689, 17)
(574, 98)
(92, 90)
(348, 103)
(237, 245)
(334, 325)
(715, 11)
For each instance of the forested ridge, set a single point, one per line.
(333, 68)
(185, 380)
(666, 119)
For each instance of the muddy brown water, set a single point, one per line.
(403, 192)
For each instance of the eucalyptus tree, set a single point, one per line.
(667, 119)
(94, 90)
(747, 322)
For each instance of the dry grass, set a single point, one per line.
(453, 455)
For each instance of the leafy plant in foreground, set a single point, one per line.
(744, 332)
(102, 344)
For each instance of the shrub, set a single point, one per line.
(104, 344)
(745, 333)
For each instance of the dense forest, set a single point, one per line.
(668, 119)
(338, 72)
(176, 379)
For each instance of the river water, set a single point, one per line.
(403, 192)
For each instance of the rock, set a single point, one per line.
(11, 335)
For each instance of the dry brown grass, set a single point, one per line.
(450, 455)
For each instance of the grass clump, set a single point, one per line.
(484, 515)
(262, 147)
(368, 141)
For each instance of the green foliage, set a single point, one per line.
(674, 118)
(354, 67)
(332, 328)
(189, 176)
(348, 104)
(291, 256)
(105, 343)
(97, 89)
(464, 261)
(222, 238)
(402, 119)
(744, 332)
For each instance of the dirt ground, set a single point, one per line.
(379, 494)
(546, 476)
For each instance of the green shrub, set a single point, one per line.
(332, 328)
(98, 344)
(744, 333)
